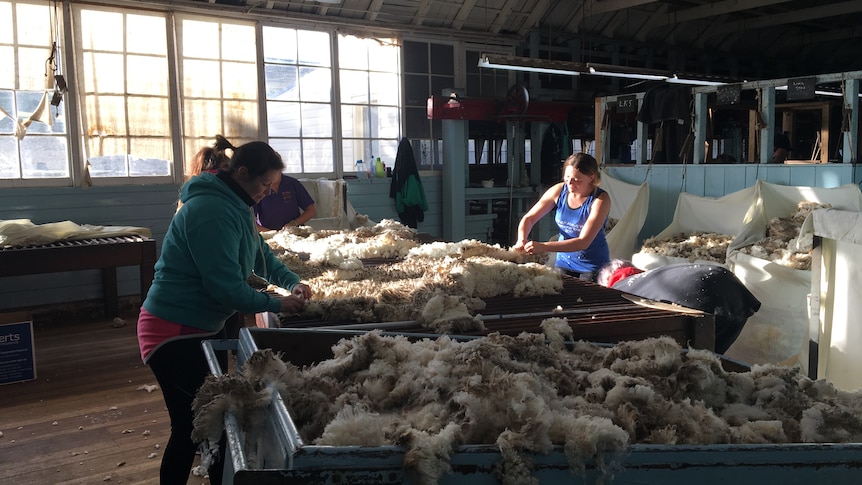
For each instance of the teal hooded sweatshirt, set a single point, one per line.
(210, 249)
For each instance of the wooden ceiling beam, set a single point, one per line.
(463, 14)
(793, 16)
(505, 11)
(536, 13)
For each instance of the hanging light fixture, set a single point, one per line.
(675, 79)
(529, 64)
(610, 70)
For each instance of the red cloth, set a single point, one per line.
(622, 274)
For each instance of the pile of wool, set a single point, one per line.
(783, 244)
(705, 246)
(386, 239)
(528, 394)
(441, 294)
(469, 248)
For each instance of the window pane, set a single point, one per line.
(106, 116)
(317, 155)
(316, 120)
(315, 84)
(200, 39)
(203, 117)
(146, 75)
(279, 45)
(201, 78)
(31, 75)
(283, 119)
(281, 82)
(108, 165)
(354, 150)
(238, 42)
(313, 48)
(149, 167)
(291, 153)
(353, 121)
(102, 30)
(240, 121)
(148, 116)
(146, 34)
(387, 121)
(44, 157)
(34, 26)
(385, 88)
(383, 55)
(352, 53)
(7, 76)
(354, 86)
(6, 23)
(9, 167)
(110, 78)
(239, 80)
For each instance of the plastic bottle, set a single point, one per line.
(359, 167)
(379, 169)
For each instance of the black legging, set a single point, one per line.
(180, 368)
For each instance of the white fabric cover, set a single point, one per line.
(837, 286)
(629, 205)
(778, 332)
(23, 232)
(334, 210)
(722, 215)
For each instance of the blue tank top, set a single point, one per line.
(571, 222)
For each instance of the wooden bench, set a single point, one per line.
(106, 254)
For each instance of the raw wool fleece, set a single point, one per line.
(782, 243)
(439, 285)
(386, 239)
(526, 394)
(705, 246)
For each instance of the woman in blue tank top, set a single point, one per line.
(581, 213)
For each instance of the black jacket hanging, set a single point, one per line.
(406, 187)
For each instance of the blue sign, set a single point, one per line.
(17, 356)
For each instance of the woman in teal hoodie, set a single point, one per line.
(211, 248)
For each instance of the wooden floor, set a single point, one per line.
(86, 418)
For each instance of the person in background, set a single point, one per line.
(207, 159)
(706, 287)
(288, 204)
(210, 249)
(581, 214)
(781, 147)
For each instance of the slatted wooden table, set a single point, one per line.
(104, 253)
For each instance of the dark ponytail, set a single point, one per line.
(257, 157)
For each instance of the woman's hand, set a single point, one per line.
(519, 246)
(535, 247)
(291, 304)
(302, 291)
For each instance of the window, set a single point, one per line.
(429, 68)
(40, 149)
(298, 78)
(218, 63)
(370, 97)
(123, 83)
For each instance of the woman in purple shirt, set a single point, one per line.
(581, 213)
(289, 204)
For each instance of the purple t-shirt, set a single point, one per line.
(283, 205)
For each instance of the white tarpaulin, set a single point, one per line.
(629, 205)
(778, 332)
(721, 215)
(332, 206)
(837, 287)
(22, 232)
